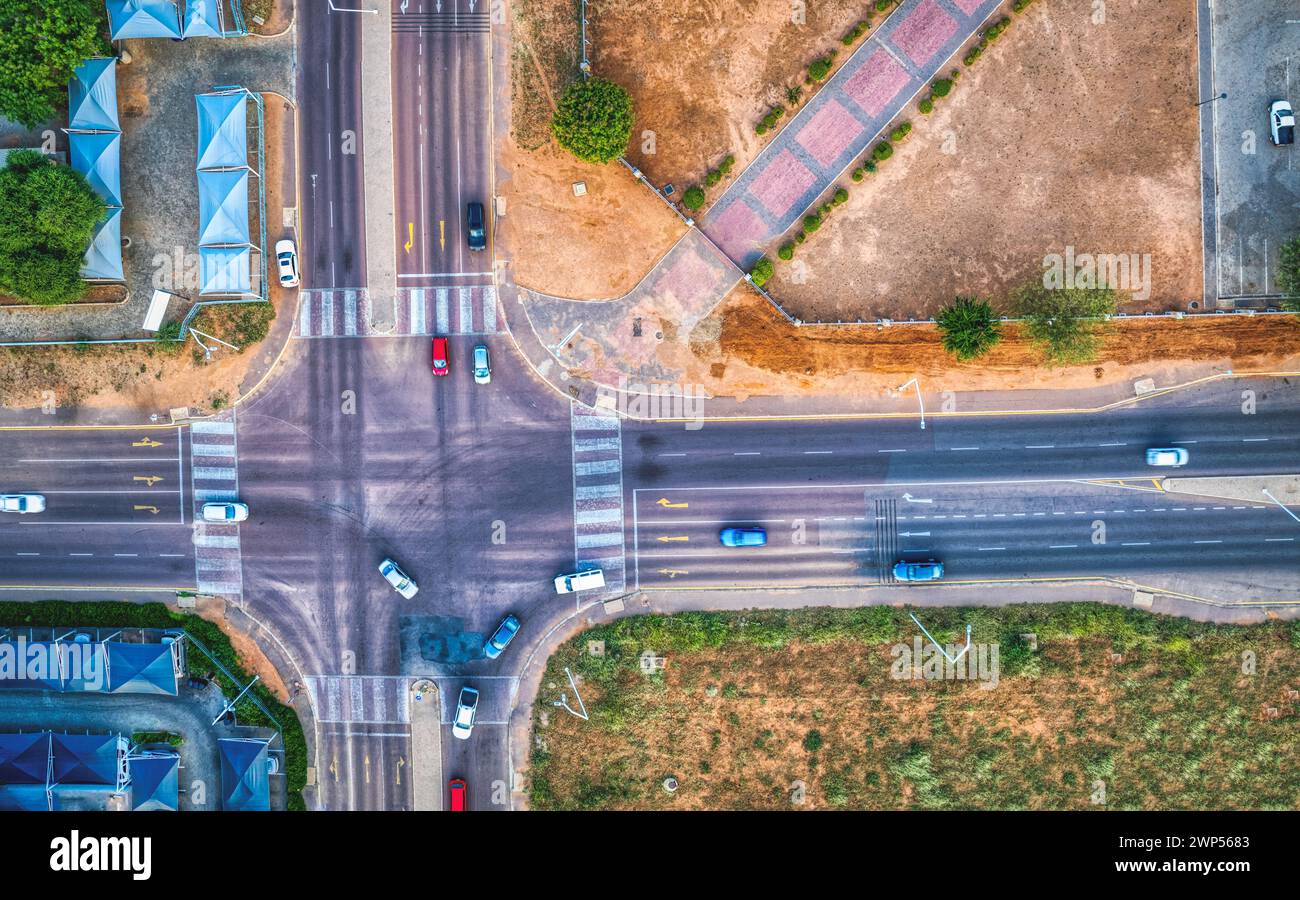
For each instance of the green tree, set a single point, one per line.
(970, 327)
(48, 215)
(41, 42)
(594, 120)
(1288, 274)
(1064, 321)
(762, 271)
(693, 198)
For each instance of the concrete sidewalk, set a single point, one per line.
(377, 138)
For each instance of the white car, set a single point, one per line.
(225, 512)
(482, 365)
(1166, 456)
(22, 503)
(400, 581)
(466, 709)
(587, 580)
(286, 259)
(1281, 121)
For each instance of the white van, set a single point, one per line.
(579, 581)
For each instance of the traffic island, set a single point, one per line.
(426, 746)
(1283, 490)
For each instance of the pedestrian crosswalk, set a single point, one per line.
(412, 311)
(214, 476)
(598, 536)
(369, 699)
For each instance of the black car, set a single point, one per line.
(477, 230)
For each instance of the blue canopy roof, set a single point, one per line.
(202, 18)
(141, 669)
(155, 781)
(225, 270)
(223, 207)
(23, 758)
(98, 157)
(143, 19)
(24, 797)
(92, 96)
(103, 260)
(245, 783)
(85, 758)
(223, 130)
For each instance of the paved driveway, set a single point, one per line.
(1256, 61)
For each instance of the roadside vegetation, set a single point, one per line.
(1288, 274)
(48, 214)
(1065, 323)
(970, 327)
(110, 614)
(41, 43)
(594, 120)
(1096, 707)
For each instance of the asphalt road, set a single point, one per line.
(332, 184)
(441, 138)
(116, 511)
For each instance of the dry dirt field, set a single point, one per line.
(1064, 133)
(700, 90)
(746, 348)
(805, 710)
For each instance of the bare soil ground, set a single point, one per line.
(703, 72)
(1046, 142)
(805, 711)
(746, 348)
(700, 75)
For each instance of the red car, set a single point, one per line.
(441, 361)
(457, 787)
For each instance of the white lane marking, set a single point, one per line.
(672, 454)
(1277, 540)
(1040, 446)
(1252, 440)
(1207, 542)
(817, 452)
(126, 554)
(1062, 546)
(964, 448)
(1136, 544)
(991, 548)
(22, 553)
(1113, 444)
(891, 451)
(81, 554)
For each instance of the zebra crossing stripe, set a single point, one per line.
(327, 314)
(594, 516)
(604, 563)
(214, 563)
(607, 539)
(214, 473)
(212, 427)
(304, 313)
(203, 495)
(466, 310)
(598, 491)
(596, 423)
(350, 313)
(417, 312)
(490, 310)
(444, 319)
(603, 467)
(213, 449)
(217, 541)
(220, 587)
(592, 444)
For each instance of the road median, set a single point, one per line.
(1284, 489)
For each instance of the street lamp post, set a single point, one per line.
(914, 384)
(1223, 96)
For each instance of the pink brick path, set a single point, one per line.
(829, 133)
(923, 32)
(782, 183)
(876, 82)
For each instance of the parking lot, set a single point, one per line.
(1256, 58)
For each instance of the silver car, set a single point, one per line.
(225, 512)
(482, 365)
(1167, 456)
(466, 709)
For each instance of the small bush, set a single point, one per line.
(824, 209)
(800, 236)
(693, 197)
(883, 151)
(812, 741)
(793, 93)
(926, 106)
(760, 128)
(882, 5)
(899, 134)
(941, 87)
(727, 164)
(840, 196)
(858, 174)
(870, 167)
(713, 177)
(786, 252)
(762, 271)
(970, 327)
(854, 33)
(812, 222)
(820, 68)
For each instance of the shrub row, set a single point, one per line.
(818, 69)
(857, 31)
(693, 196)
(1021, 5)
(769, 121)
(990, 34)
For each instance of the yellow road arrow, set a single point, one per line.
(147, 442)
(151, 480)
(152, 509)
(673, 573)
(663, 501)
(666, 540)
(334, 768)
(442, 234)
(410, 236)
(401, 761)
(367, 765)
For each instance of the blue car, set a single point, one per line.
(919, 571)
(501, 638)
(743, 537)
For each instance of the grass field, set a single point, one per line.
(1115, 709)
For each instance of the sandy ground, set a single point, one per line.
(703, 72)
(150, 377)
(1064, 134)
(746, 348)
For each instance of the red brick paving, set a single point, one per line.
(782, 183)
(829, 133)
(923, 32)
(876, 82)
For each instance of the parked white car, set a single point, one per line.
(225, 512)
(1281, 123)
(579, 581)
(22, 503)
(466, 709)
(286, 259)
